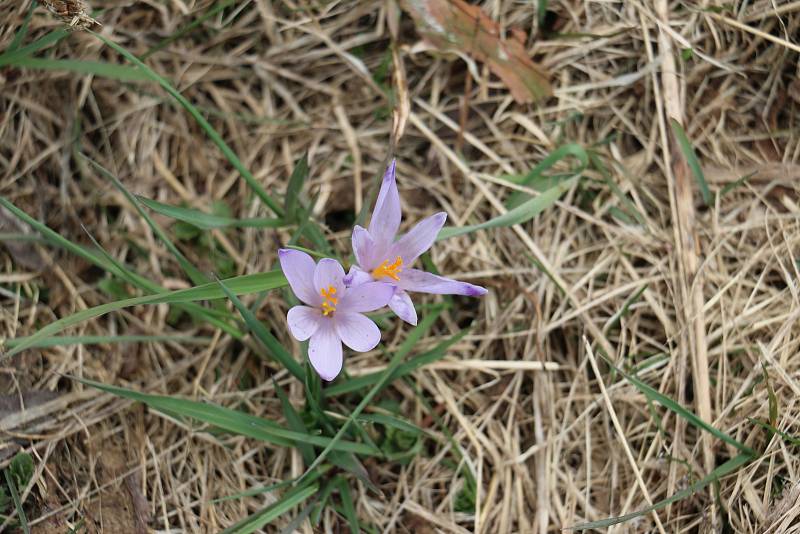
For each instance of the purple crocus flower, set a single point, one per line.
(380, 257)
(334, 312)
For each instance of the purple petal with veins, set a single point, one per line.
(419, 239)
(357, 331)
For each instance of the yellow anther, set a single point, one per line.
(385, 269)
(329, 303)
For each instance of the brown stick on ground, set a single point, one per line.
(694, 335)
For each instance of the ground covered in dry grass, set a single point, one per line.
(527, 428)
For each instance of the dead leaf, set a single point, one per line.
(454, 25)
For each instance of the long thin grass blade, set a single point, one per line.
(208, 221)
(524, 212)
(204, 124)
(233, 421)
(691, 158)
(727, 468)
(272, 512)
(240, 285)
(276, 350)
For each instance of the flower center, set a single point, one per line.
(329, 303)
(390, 270)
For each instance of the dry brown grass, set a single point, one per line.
(550, 442)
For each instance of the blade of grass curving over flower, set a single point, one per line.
(524, 212)
(725, 469)
(193, 272)
(208, 221)
(239, 285)
(386, 376)
(691, 159)
(204, 124)
(233, 421)
(276, 350)
(270, 513)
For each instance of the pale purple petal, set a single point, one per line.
(364, 249)
(325, 351)
(418, 239)
(304, 321)
(365, 297)
(299, 267)
(329, 272)
(386, 216)
(357, 276)
(402, 306)
(357, 331)
(416, 280)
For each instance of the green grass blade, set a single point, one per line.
(773, 430)
(294, 525)
(187, 29)
(233, 421)
(283, 356)
(12, 486)
(536, 175)
(53, 37)
(23, 30)
(524, 212)
(106, 262)
(193, 272)
(773, 400)
(348, 505)
(725, 469)
(204, 124)
(102, 340)
(295, 423)
(272, 487)
(389, 420)
(208, 221)
(355, 384)
(240, 285)
(213, 317)
(733, 185)
(691, 158)
(629, 207)
(679, 410)
(259, 519)
(113, 71)
(386, 376)
(109, 264)
(296, 181)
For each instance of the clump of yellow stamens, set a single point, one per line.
(385, 269)
(330, 302)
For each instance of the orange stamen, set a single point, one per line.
(330, 302)
(385, 269)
